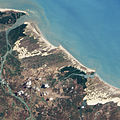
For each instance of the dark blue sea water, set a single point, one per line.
(89, 30)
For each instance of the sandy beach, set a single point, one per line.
(6, 9)
(76, 62)
(37, 31)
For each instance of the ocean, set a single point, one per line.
(89, 30)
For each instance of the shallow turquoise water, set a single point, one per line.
(90, 30)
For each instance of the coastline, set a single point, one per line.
(14, 10)
(39, 33)
(32, 30)
(114, 95)
(109, 88)
(107, 83)
(99, 91)
(77, 64)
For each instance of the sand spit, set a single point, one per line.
(7, 10)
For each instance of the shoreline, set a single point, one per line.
(109, 85)
(109, 88)
(99, 91)
(37, 30)
(39, 33)
(14, 10)
(79, 65)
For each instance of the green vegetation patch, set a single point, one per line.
(74, 73)
(3, 46)
(10, 17)
(14, 66)
(16, 33)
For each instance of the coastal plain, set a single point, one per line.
(40, 81)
